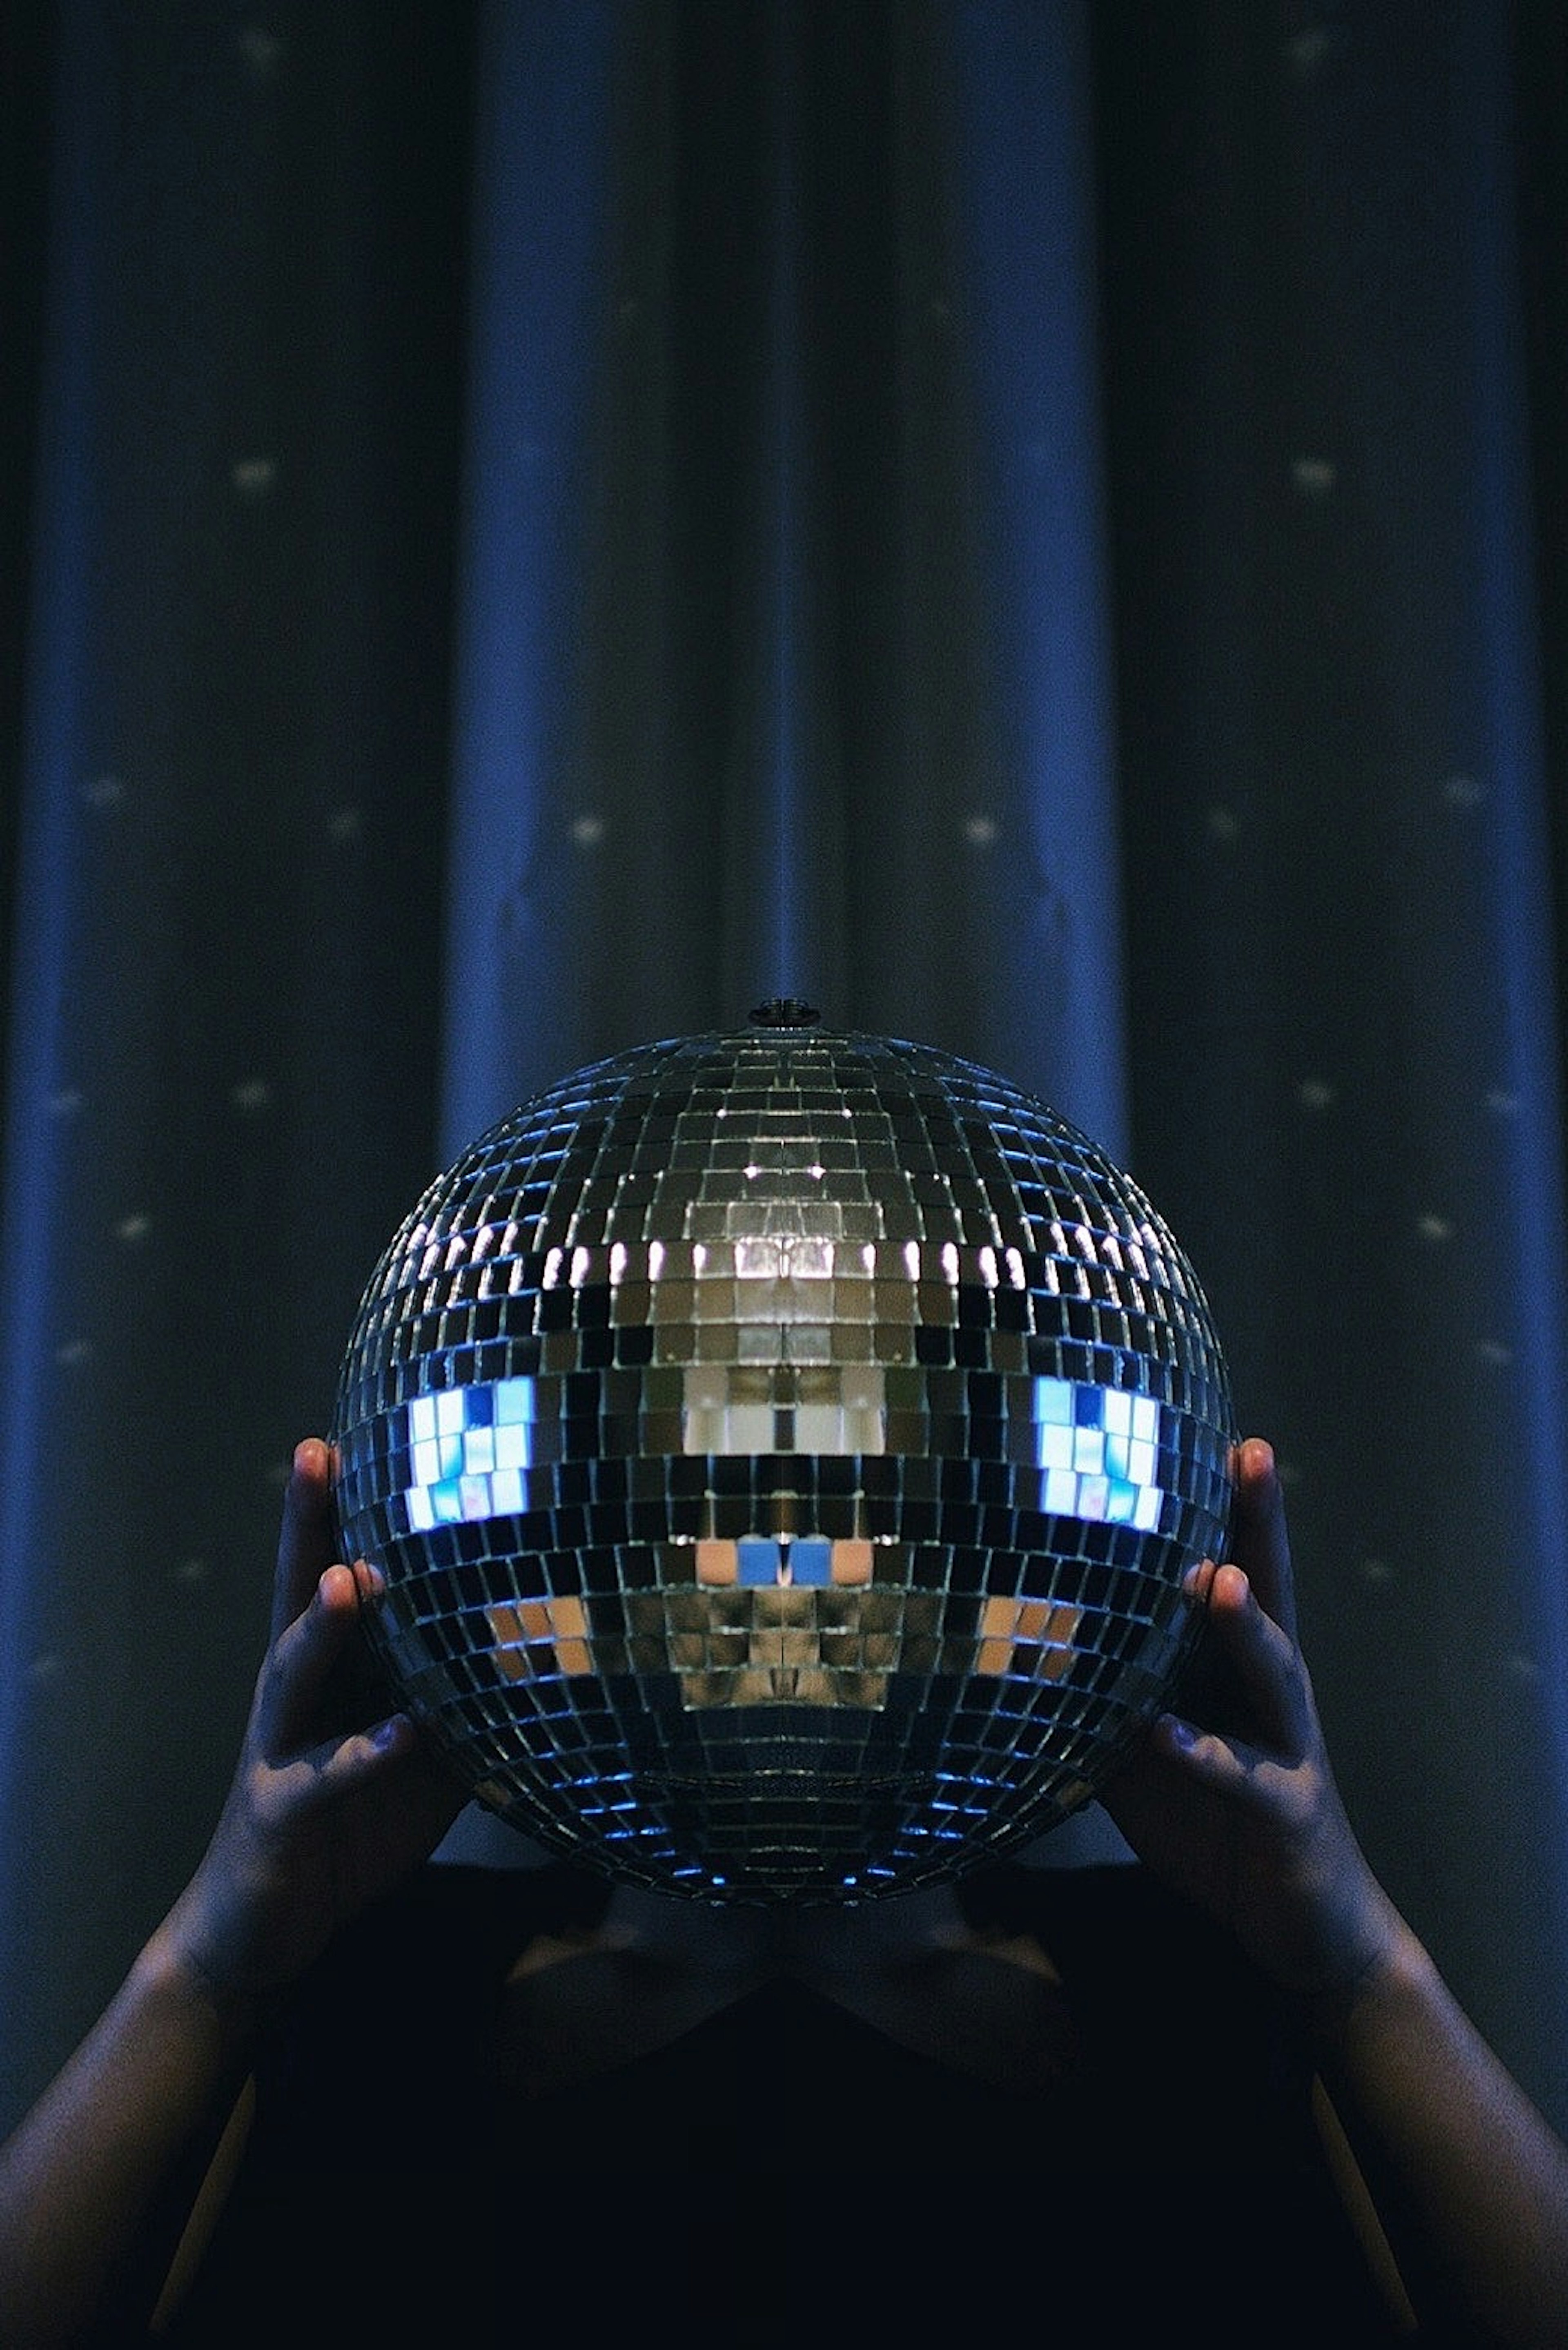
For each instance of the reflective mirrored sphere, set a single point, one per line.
(783, 1448)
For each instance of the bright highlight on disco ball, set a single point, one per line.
(783, 1448)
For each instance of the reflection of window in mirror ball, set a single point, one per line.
(783, 1448)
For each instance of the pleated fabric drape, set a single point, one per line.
(1341, 829)
(785, 653)
(225, 942)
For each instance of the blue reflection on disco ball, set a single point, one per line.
(783, 1448)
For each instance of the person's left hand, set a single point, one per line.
(1236, 1808)
(333, 1799)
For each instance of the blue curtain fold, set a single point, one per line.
(1344, 1028)
(225, 944)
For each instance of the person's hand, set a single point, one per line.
(333, 1800)
(1234, 1803)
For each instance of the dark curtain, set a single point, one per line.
(532, 526)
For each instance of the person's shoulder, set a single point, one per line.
(554, 1896)
(1098, 1900)
(450, 1924)
(396, 2016)
(1132, 1952)
(443, 1940)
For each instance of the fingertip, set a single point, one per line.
(1174, 1735)
(369, 1585)
(1256, 1469)
(1230, 1587)
(311, 1460)
(1198, 1581)
(338, 1589)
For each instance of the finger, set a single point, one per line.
(1260, 1542)
(1232, 1767)
(1261, 1661)
(307, 1656)
(340, 1763)
(429, 1796)
(305, 1547)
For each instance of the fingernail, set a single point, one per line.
(1180, 1733)
(388, 1734)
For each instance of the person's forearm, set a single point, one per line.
(98, 2180)
(1469, 2182)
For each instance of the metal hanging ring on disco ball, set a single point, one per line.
(783, 1448)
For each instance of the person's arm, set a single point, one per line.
(1235, 1804)
(326, 1810)
(1468, 2180)
(99, 2179)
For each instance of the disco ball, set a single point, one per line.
(783, 1448)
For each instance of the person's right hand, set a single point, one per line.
(1236, 1807)
(329, 1806)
